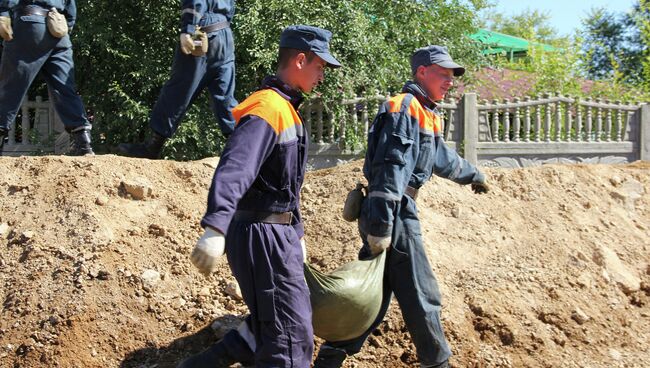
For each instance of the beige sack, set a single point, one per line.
(57, 24)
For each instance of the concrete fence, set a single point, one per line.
(37, 129)
(518, 133)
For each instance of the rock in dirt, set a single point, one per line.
(618, 272)
(150, 278)
(233, 290)
(138, 189)
(579, 316)
(4, 229)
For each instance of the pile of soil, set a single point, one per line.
(550, 269)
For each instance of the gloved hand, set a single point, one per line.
(6, 32)
(304, 249)
(207, 251)
(378, 244)
(480, 188)
(187, 43)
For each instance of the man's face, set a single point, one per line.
(311, 72)
(435, 80)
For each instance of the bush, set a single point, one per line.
(124, 51)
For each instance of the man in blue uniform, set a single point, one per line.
(29, 48)
(192, 74)
(253, 208)
(404, 150)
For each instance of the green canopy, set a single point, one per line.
(499, 43)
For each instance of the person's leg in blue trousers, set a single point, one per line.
(34, 50)
(410, 278)
(190, 75)
(267, 262)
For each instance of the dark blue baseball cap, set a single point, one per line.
(308, 38)
(434, 55)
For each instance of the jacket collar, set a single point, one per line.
(293, 96)
(417, 91)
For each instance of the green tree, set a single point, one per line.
(124, 51)
(643, 23)
(532, 25)
(612, 44)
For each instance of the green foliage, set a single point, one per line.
(612, 44)
(529, 24)
(124, 51)
(609, 49)
(643, 23)
(123, 54)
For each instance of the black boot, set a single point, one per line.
(215, 356)
(329, 357)
(80, 144)
(4, 133)
(150, 149)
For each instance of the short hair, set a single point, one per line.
(286, 54)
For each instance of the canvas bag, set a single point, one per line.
(346, 301)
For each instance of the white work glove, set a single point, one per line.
(6, 32)
(378, 244)
(304, 249)
(207, 251)
(187, 43)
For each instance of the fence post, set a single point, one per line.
(470, 127)
(644, 133)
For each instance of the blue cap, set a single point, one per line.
(434, 55)
(308, 38)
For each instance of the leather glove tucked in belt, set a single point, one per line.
(480, 188)
(378, 244)
(207, 251)
(6, 32)
(187, 43)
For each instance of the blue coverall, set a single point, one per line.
(190, 74)
(404, 149)
(262, 170)
(33, 50)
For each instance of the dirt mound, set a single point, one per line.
(551, 269)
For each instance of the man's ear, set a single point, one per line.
(300, 60)
(420, 71)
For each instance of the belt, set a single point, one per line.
(411, 192)
(215, 27)
(32, 10)
(283, 218)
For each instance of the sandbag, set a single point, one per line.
(346, 301)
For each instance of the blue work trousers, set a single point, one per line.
(408, 275)
(31, 51)
(267, 261)
(190, 76)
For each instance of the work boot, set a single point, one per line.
(4, 133)
(150, 149)
(329, 357)
(80, 144)
(215, 356)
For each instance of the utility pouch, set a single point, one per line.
(353, 202)
(57, 25)
(200, 40)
